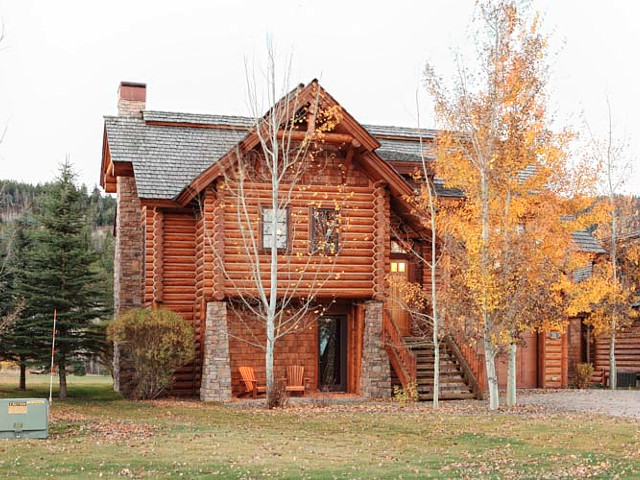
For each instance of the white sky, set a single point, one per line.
(62, 62)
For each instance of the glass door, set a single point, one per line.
(332, 353)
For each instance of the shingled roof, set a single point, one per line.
(167, 152)
(586, 243)
(165, 159)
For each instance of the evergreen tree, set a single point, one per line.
(16, 343)
(61, 273)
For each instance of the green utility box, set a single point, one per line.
(24, 418)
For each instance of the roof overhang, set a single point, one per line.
(350, 132)
(110, 169)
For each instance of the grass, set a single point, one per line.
(96, 433)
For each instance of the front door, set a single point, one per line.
(399, 314)
(332, 353)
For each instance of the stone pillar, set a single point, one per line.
(127, 285)
(216, 365)
(127, 281)
(375, 376)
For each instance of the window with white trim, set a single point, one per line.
(280, 230)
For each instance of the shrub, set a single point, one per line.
(403, 395)
(156, 342)
(584, 371)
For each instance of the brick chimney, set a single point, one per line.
(132, 99)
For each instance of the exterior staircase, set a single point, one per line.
(453, 382)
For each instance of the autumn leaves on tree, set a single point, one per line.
(511, 253)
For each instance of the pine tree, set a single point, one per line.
(61, 273)
(16, 342)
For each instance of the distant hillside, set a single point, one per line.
(18, 197)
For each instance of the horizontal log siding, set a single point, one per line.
(627, 351)
(179, 259)
(348, 274)
(153, 225)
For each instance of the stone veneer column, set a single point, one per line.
(127, 281)
(375, 376)
(216, 366)
(127, 286)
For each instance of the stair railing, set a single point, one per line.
(471, 362)
(398, 350)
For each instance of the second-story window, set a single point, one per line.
(324, 231)
(281, 229)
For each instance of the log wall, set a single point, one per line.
(357, 271)
(627, 352)
(179, 288)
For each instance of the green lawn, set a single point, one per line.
(98, 434)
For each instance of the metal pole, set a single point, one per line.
(53, 348)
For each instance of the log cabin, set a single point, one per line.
(595, 350)
(179, 245)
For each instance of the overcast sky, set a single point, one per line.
(62, 62)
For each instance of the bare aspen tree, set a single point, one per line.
(287, 266)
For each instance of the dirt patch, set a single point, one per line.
(618, 403)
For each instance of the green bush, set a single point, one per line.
(584, 371)
(156, 342)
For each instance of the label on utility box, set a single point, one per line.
(17, 408)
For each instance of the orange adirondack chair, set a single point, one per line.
(295, 379)
(250, 383)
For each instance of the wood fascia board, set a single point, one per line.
(122, 169)
(105, 158)
(252, 139)
(108, 181)
(160, 203)
(384, 171)
(398, 187)
(357, 130)
(109, 167)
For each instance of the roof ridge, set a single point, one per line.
(246, 121)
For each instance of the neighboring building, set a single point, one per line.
(166, 169)
(627, 341)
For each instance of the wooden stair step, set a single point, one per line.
(449, 379)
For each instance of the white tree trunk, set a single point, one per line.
(613, 372)
(489, 349)
(436, 366)
(434, 302)
(511, 375)
(492, 376)
(269, 359)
